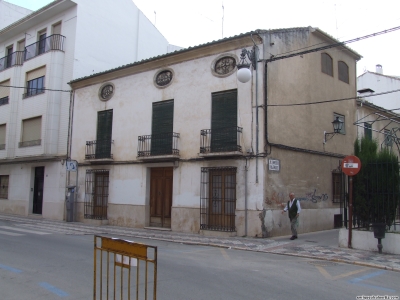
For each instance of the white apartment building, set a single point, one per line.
(370, 83)
(39, 54)
(9, 13)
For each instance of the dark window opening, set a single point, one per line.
(343, 71)
(368, 130)
(326, 64)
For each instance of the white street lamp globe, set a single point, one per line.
(244, 75)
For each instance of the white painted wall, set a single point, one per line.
(10, 13)
(119, 34)
(365, 240)
(191, 89)
(381, 83)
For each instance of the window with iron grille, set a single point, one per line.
(343, 69)
(4, 186)
(96, 194)
(368, 130)
(326, 64)
(218, 198)
(336, 187)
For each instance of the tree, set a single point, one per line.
(376, 187)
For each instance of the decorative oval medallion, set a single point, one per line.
(106, 91)
(225, 65)
(163, 78)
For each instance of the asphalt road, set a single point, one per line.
(53, 265)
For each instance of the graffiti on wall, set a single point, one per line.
(313, 197)
(279, 198)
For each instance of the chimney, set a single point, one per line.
(379, 69)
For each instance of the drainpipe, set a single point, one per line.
(245, 198)
(256, 69)
(255, 62)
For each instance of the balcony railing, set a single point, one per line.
(29, 143)
(158, 144)
(98, 149)
(220, 140)
(14, 59)
(33, 92)
(53, 42)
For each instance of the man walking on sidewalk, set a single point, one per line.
(293, 207)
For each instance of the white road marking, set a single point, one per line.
(24, 230)
(10, 233)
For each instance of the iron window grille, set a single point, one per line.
(96, 194)
(218, 198)
(4, 186)
(34, 87)
(337, 186)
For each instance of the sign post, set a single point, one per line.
(351, 165)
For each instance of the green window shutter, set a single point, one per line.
(104, 133)
(162, 127)
(224, 121)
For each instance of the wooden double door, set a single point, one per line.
(161, 182)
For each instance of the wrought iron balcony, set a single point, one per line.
(53, 42)
(220, 142)
(14, 59)
(99, 149)
(163, 145)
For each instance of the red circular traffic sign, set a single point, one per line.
(351, 165)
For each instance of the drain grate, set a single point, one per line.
(311, 241)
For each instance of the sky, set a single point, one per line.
(189, 23)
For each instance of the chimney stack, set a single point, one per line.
(379, 69)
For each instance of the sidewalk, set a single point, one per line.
(310, 245)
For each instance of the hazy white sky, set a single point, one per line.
(188, 22)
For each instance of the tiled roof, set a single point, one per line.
(257, 31)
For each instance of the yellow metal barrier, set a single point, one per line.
(124, 257)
